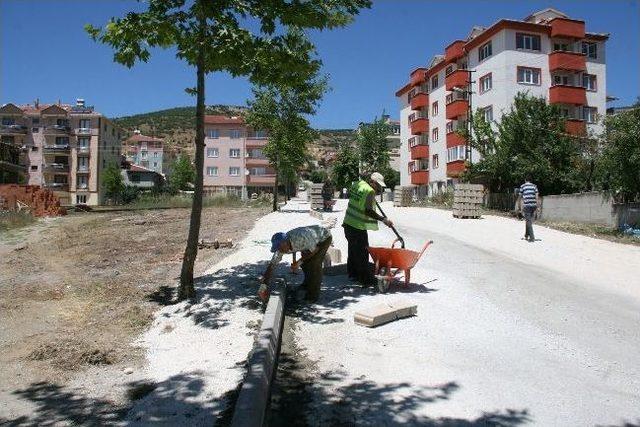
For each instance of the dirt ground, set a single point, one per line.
(76, 291)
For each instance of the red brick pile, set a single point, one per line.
(41, 202)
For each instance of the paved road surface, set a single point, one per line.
(507, 332)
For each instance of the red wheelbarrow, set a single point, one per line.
(390, 261)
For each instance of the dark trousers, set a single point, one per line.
(312, 269)
(357, 255)
(529, 214)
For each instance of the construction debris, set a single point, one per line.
(40, 202)
(215, 244)
(384, 313)
(467, 200)
(402, 196)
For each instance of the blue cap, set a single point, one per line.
(276, 239)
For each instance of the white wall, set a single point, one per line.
(405, 134)
(438, 147)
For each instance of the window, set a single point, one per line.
(234, 152)
(34, 130)
(83, 163)
(213, 133)
(589, 82)
(484, 52)
(564, 47)
(434, 82)
(212, 152)
(448, 70)
(34, 148)
(83, 143)
(86, 124)
(155, 154)
(435, 162)
(62, 141)
(235, 133)
(82, 181)
(529, 76)
(8, 121)
(434, 109)
(527, 41)
(34, 167)
(590, 49)
(81, 199)
(212, 171)
(456, 153)
(486, 83)
(449, 127)
(35, 121)
(434, 134)
(144, 154)
(155, 164)
(234, 171)
(258, 171)
(62, 122)
(260, 134)
(590, 114)
(488, 114)
(561, 80)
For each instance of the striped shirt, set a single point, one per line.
(529, 193)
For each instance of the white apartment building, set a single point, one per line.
(547, 54)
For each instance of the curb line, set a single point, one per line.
(254, 396)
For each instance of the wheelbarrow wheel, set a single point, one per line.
(384, 280)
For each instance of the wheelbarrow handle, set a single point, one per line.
(399, 237)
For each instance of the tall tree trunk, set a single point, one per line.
(275, 190)
(187, 289)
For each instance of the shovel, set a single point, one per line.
(400, 239)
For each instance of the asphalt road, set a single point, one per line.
(507, 332)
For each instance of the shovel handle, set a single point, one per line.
(399, 237)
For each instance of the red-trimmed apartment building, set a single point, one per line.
(547, 54)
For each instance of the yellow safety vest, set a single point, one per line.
(355, 215)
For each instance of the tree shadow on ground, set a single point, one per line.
(338, 293)
(169, 402)
(301, 398)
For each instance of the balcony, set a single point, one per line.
(455, 168)
(13, 130)
(57, 130)
(257, 161)
(418, 140)
(420, 177)
(459, 78)
(419, 125)
(84, 150)
(83, 131)
(418, 77)
(562, 94)
(457, 107)
(569, 61)
(269, 179)
(576, 127)
(567, 28)
(419, 152)
(419, 100)
(455, 139)
(57, 148)
(454, 51)
(56, 168)
(256, 142)
(56, 186)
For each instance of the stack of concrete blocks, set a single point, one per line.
(402, 196)
(384, 313)
(467, 200)
(315, 197)
(40, 202)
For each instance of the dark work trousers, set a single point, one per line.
(529, 214)
(312, 269)
(358, 266)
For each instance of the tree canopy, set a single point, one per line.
(345, 166)
(373, 146)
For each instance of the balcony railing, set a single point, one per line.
(566, 94)
(56, 167)
(13, 129)
(83, 131)
(420, 152)
(261, 179)
(83, 169)
(458, 78)
(60, 186)
(575, 126)
(57, 130)
(84, 150)
(418, 140)
(57, 148)
(420, 177)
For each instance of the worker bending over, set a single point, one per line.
(360, 217)
(313, 242)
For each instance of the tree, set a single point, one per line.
(345, 166)
(183, 174)
(619, 164)
(281, 109)
(529, 139)
(254, 38)
(113, 182)
(373, 146)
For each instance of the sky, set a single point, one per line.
(46, 54)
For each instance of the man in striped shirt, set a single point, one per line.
(529, 202)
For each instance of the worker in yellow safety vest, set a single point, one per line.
(360, 217)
